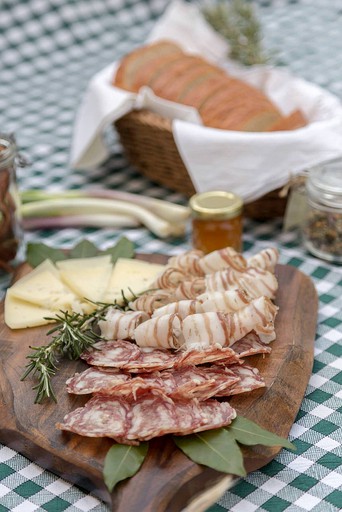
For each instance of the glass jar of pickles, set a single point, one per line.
(322, 230)
(216, 221)
(10, 232)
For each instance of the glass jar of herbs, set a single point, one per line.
(10, 231)
(322, 230)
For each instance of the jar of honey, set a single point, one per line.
(216, 221)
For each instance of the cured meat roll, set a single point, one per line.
(125, 420)
(254, 281)
(119, 325)
(188, 262)
(265, 259)
(182, 308)
(202, 330)
(150, 301)
(161, 332)
(222, 259)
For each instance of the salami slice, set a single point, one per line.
(250, 379)
(250, 345)
(127, 356)
(95, 379)
(184, 383)
(125, 420)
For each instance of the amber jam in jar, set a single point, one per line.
(216, 221)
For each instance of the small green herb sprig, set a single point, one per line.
(73, 334)
(237, 22)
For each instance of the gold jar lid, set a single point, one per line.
(215, 205)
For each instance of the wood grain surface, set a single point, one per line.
(168, 481)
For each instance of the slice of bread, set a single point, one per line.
(291, 122)
(223, 101)
(131, 63)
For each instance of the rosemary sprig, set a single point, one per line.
(72, 335)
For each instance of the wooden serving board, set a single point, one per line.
(168, 480)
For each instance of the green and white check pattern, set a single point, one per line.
(49, 49)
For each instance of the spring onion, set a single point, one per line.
(79, 208)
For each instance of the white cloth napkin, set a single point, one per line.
(250, 164)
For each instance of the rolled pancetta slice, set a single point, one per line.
(254, 281)
(182, 308)
(226, 301)
(204, 329)
(222, 259)
(125, 420)
(189, 289)
(120, 325)
(150, 301)
(188, 262)
(265, 259)
(170, 278)
(160, 332)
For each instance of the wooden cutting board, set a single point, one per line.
(168, 480)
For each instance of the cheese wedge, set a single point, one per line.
(77, 263)
(88, 283)
(131, 277)
(20, 314)
(43, 287)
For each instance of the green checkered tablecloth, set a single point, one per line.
(49, 49)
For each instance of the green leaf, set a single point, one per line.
(249, 433)
(216, 449)
(37, 253)
(84, 249)
(121, 462)
(124, 248)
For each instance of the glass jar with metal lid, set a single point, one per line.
(322, 228)
(10, 231)
(216, 220)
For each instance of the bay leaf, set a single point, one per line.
(36, 253)
(124, 248)
(84, 249)
(216, 449)
(121, 462)
(249, 433)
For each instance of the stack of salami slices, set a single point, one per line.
(170, 363)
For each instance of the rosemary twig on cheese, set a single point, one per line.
(73, 334)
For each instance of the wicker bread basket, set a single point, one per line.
(149, 144)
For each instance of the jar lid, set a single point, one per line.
(324, 183)
(216, 205)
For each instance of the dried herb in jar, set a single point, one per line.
(322, 229)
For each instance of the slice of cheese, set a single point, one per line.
(43, 287)
(77, 263)
(89, 283)
(131, 277)
(20, 314)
